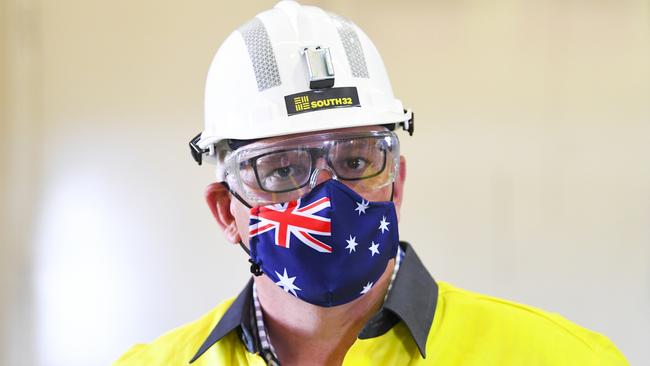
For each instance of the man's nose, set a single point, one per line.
(320, 175)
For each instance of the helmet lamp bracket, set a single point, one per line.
(319, 65)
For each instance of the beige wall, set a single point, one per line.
(20, 119)
(528, 175)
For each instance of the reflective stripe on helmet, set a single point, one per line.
(352, 46)
(261, 53)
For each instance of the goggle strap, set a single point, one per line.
(236, 195)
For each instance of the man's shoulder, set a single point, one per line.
(177, 346)
(508, 326)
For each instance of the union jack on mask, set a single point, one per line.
(328, 247)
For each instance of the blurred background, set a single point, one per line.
(528, 175)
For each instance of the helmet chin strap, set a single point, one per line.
(255, 268)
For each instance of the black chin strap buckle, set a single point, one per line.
(255, 268)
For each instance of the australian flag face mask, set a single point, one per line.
(328, 247)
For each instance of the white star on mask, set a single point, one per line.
(373, 248)
(366, 288)
(352, 244)
(287, 282)
(383, 224)
(361, 207)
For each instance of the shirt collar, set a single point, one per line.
(412, 299)
(237, 316)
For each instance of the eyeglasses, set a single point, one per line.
(286, 170)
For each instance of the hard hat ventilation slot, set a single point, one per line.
(261, 53)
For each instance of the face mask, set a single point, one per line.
(328, 247)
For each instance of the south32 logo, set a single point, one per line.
(321, 99)
(303, 103)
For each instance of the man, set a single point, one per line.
(302, 125)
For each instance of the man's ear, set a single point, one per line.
(218, 198)
(398, 191)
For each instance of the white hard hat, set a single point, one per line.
(295, 69)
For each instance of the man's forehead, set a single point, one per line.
(236, 144)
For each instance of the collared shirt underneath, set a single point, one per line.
(268, 352)
(470, 328)
(411, 299)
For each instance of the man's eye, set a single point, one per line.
(356, 163)
(283, 172)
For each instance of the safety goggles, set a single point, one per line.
(286, 170)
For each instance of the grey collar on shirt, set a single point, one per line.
(412, 299)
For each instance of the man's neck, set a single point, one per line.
(306, 334)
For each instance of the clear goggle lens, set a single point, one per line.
(288, 169)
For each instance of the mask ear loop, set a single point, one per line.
(392, 191)
(255, 268)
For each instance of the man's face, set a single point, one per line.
(241, 213)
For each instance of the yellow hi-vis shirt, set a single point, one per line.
(468, 329)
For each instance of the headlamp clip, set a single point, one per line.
(319, 64)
